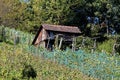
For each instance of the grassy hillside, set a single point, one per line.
(13, 60)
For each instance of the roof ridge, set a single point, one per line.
(60, 25)
(61, 28)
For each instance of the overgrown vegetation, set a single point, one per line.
(99, 21)
(39, 61)
(109, 45)
(29, 15)
(14, 60)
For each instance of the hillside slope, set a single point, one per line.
(13, 61)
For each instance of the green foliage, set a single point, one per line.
(11, 11)
(51, 64)
(99, 65)
(85, 41)
(107, 46)
(48, 65)
(28, 16)
(13, 61)
(92, 30)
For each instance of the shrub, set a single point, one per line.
(28, 72)
(85, 43)
(107, 46)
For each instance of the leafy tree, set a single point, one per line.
(30, 14)
(10, 12)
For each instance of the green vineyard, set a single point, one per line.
(68, 64)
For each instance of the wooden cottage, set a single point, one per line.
(50, 36)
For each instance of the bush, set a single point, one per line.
(107, 46)
(85, 43)
(28, 72)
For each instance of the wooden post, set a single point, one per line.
(48, 43)
(113, 52)
(73, 44)
(83, 42)
(61, 39)
(56, 41)
(94, 46)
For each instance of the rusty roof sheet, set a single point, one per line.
(60, 28)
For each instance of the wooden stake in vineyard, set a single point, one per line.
(83, 42)
(16, 38)
(73, 43)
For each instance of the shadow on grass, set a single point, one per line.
(8, 42)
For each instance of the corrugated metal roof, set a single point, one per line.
(60, 28)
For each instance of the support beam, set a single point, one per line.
(73, 43)
(61, 39)
(94, 46)
(56, 41)
(48, 43)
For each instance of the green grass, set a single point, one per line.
(14, 58)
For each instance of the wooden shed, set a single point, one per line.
(50, 36)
